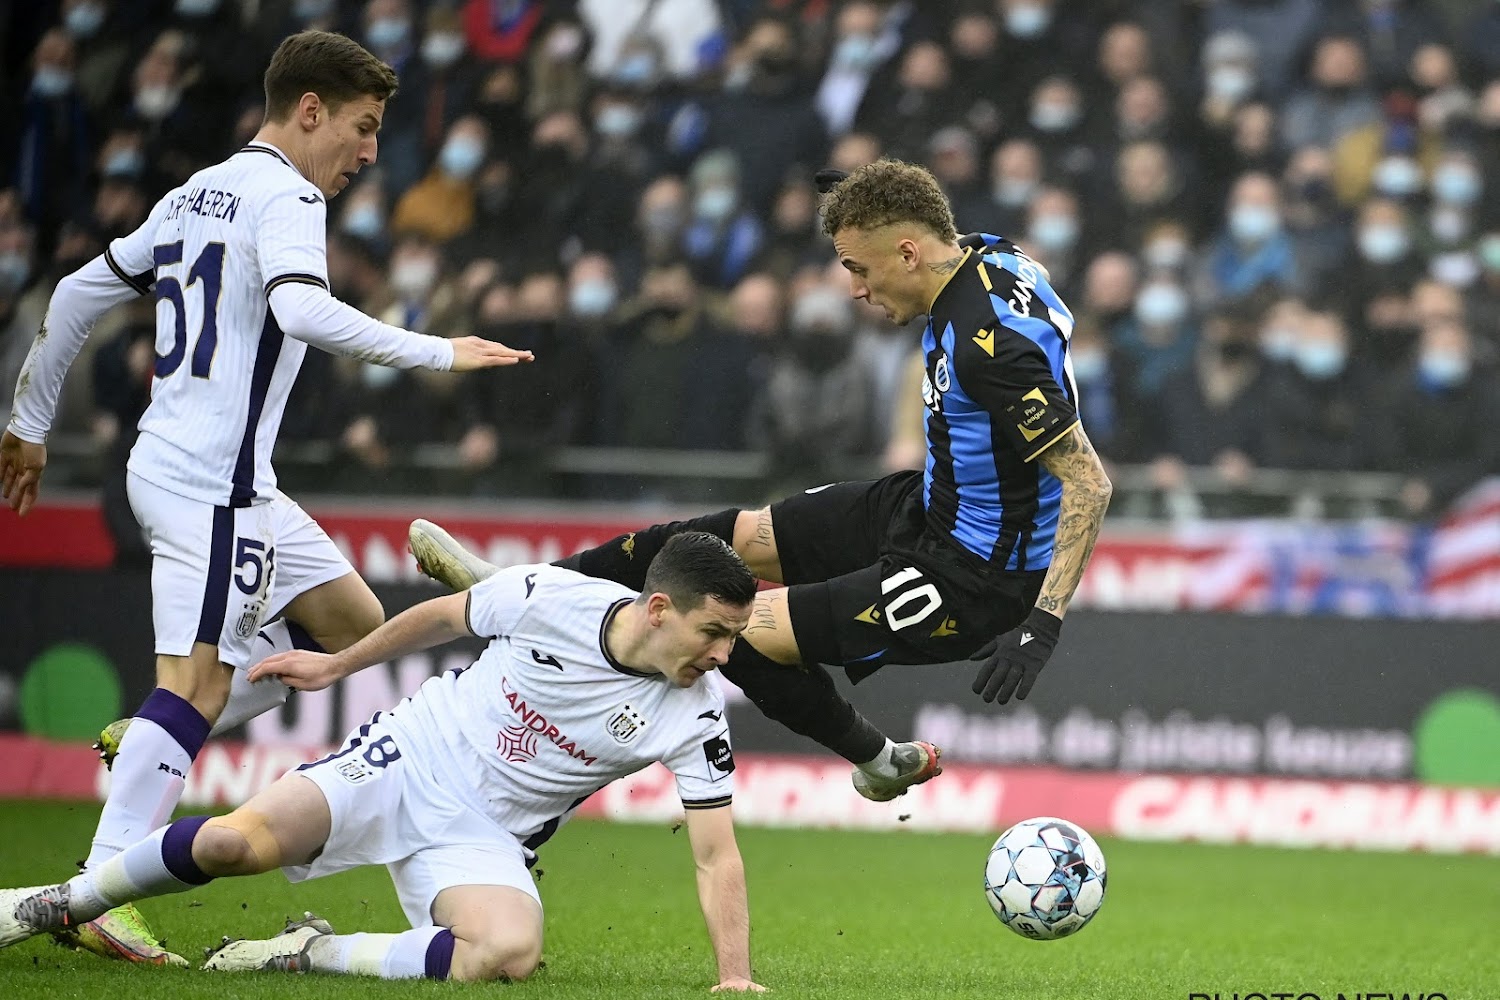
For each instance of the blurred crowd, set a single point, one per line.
(1277, 221)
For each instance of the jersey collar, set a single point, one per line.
(609, 657)
(261, 146)
(938, 294)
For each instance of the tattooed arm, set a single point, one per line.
(1086, 491)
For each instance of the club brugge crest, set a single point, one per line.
(625, 725)
(249, 620)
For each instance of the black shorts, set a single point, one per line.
(868, 584)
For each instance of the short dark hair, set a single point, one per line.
(696, 565)
(887, 192)
(335, 67)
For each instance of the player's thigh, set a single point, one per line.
(315, 585)
(287, 823)
(211, 571)
(888, 612)
(831, 530)
(770, 628)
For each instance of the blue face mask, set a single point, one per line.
(1489, 253)
(592, 299)
(636, 70)
(14, 270)
(363, 221)
(1279, 344)
(855, 53)
(1441, 368)
(1054, 231)
(1383, 244)
(127, 162)
(1456, 185)
(1013, 192)
(49, 81)
(1320, 359)
(1054, 117)
(1253, 223)
(461, 157)
(85, 20)
(1161, 305)
(1397, 176)
(618, 121)
(715, 203)
(1089, 366)
(387, 32)
(196, 8)
(1028, 20)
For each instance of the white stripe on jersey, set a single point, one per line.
(543, 719)
(217, 245)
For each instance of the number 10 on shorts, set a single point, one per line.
(912, 604)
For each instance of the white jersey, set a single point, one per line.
(215, 248)
(545, 717)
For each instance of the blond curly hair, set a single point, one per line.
(887, 192)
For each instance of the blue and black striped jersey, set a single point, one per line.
(999, 391)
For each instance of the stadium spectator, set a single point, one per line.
(1281, 31)
(1390, 31)
(953, 158)
(1159, 337)
(51, 159)
(1320, 409)
(723, 235)
(1053, 236)
(1252, 250)
(1337, 100)
(1058, 123)
(858, 49)
(440, 207)
(1016, 172)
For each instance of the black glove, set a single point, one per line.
(827, 178)
(1008, 664)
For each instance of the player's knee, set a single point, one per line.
(500, 955)
(220, 848)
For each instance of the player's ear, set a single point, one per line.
(656, 607)
(911, 255)
(310, 110)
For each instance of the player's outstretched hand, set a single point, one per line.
(1009, 664)
(299, 669)
(739, 986)
(470, 353)
(21, 465)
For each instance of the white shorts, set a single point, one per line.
(219, 573)
(388, 811)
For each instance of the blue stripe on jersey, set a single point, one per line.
(216, 587)
(266, 354)
(1044, 334)
(972, 445)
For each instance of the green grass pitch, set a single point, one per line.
(853, 915)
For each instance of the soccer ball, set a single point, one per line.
(1045, 878)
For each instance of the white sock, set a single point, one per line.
(149, 773)
(408, 955)
(140, 871)
(247, 700)
(882, 766)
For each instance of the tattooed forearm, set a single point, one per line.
(1085, 497)
(947, 266)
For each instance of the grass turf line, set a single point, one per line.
(851, 915)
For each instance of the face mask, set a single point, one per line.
(127, 162)
(157, 101)
(1456, 185)
(1382, 244)
(855, 53)
(443, 48)
(1089, 365)
(50, 81)
(1457, 268)
(14, 270)
(662, 221)
(715, 203)
(1054, 117)
(461, 157)
(1442, 368)
(1230, 83)
(1397, 176)
(1166, 253)
(1448, 224)
(618, 121)
(1489, 253)
(1319, 359)
(1013, 192)
(414, 278)
(312, 10)
(636, 70)
(1054, 231)
(1253, 223)
(378, 376)
(1279, 343)
(1027, 20)
(1161, 305)
(84, 20)
(387, 32)
(363, 221)
(196, 8)
(592, 298)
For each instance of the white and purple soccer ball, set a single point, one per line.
(1045, 878)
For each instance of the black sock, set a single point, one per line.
(624, 559)
(804, 699)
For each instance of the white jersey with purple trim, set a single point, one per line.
(214, 248)
(545, 717)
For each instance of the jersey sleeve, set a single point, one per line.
(132, 258)
(704, 764)
(1014, 365)
(291, 238)
(497, 604)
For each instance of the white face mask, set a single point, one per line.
(1231, 83)
(157, 101)
(442, 49)
(85, 20)
(414, 277)
(1397, 176)
(51, 81)
(378, 376)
